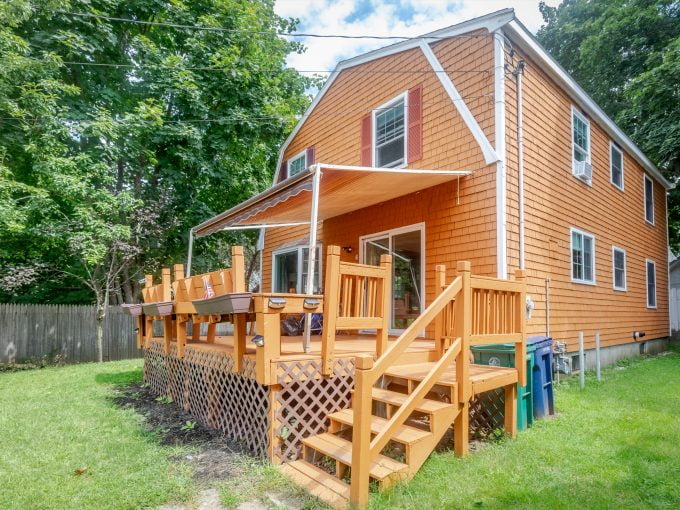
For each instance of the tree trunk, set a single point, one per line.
(101, 316)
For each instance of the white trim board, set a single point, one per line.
(501, 171)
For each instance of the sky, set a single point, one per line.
(383, 17)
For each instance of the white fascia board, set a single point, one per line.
(490, 155)
(525, 40)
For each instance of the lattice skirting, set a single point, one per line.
(204, 385)
(487, 413)
(304, 400)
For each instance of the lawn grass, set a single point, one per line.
(55, 421)
(615, 444)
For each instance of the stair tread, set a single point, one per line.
(478, 373)
(392, 397)
(340, 449)
(404, 434)
(317, 482)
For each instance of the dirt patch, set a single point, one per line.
(214, 458)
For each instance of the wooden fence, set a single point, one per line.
(34, 331)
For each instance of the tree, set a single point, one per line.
(175, 126)
(626, 55)
(117, 137)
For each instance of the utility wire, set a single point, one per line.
(241, 118)
(259, 32)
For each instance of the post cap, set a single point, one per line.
(464, 265)
(333, 250)
(363, 361)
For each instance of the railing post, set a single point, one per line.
(521, 320)
(439, 284)
(383, 333)
(238, 271)
(330, 308)
(146, 298)
(167, 296)
(463, 328)
(362, 401)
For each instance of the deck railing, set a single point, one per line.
(358, 297)
(469, 310)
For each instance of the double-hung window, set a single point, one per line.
(297, 164)
(649, 200)
(651, 284)
(619, 268)
(616, 166)
(291, 269)
(389, 128)
(580, 138)
(582, 257)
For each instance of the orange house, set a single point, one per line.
(496, 156)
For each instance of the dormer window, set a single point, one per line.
(297, 164)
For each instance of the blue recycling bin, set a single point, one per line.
(542, 382)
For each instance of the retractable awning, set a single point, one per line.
(341, 189)
(320, 192)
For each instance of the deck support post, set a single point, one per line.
(268, 325)
(274, 439)
(461, 430)
(511, 410)
(239, 321)
(361, 432)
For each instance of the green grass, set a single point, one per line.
(55, 421)
(616, 444)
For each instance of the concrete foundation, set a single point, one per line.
(612, 354)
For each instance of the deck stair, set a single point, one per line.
(415, 442)
(400, 412)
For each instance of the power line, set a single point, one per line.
(240, 118)
(271, 71)
(259, 32)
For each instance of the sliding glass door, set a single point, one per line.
(406, 245)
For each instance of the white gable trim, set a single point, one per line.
(489, 22)
(490, 155)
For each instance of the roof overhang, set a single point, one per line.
(341, 189)
(525, 40)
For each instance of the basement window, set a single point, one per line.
(389, 126)
(582, 257)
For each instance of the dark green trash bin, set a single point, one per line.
(503, 355)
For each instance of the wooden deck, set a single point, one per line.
(345, 346)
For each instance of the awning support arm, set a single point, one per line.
(191, 249)
(311, 269)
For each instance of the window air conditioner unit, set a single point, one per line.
(583, 170)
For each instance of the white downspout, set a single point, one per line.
(501, 188)
(311, 268)
(520, 159)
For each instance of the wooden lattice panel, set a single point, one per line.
(487, 413)
(305, 400)
(204, 385)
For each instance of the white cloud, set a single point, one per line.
(384, 18)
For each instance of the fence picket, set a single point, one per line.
(34, 331)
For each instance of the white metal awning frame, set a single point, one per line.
(307, 180)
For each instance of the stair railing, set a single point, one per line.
(364, 450)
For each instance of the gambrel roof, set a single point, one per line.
(504, 21)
